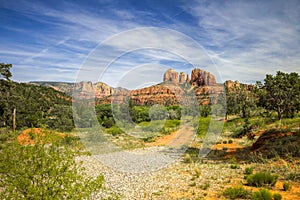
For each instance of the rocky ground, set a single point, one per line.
(156, 172)
(175, 180)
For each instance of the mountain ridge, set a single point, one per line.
(172, 90)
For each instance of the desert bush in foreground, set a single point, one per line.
(262, 194)
(277, 196)
(237, 193)
(248, 170)
(43, 171)
(287, 186)
(262, 179)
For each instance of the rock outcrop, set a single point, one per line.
(231, 85)
(182, 77)
(176, 88)
(187, 79)
(200, 77)
(171, 76)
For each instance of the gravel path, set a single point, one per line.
(154, 173)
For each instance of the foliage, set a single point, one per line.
(240, 100)
(158, 112)
(43, 171)
(203, 125)
(248, 170)
(5, 71)
(114, 130)
(287, 186)
(36, 106)
(262, 194)
(281, 93)
(140, 114)
(260, 179)
(205, 110)
(277, 196)
(237, 193)
(170, 126)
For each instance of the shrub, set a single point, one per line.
(262, 194)
(233, 166)
(43, 171)
(230, 141)
(224, 142)
(287, 186)
(237, 193)
(114, 130)
(277, 196)
(262, 179)
(187, 158)
(248, 171)
(192, 184)
(205, 186)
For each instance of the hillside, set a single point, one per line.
(35, 105)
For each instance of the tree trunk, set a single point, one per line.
(14, 119)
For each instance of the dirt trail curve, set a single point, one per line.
(177, 139)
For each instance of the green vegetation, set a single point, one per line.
(5, 71)
(262, 194)
(114, 130)
(237, 193)
(281, 94)
(248, 170)
(287, 186)
(35, 106)
(277, 196)
(43, 171)
(260, 179)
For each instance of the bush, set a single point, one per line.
(287, 186)
(234, 166)
(230, 141)
(187, 158)
(43, 171)
(277, 196)
(237, 193)
(224, 142)
(114, 130)
(248, 171)
(262, 194)
(262, 179)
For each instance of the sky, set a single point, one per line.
(132, 42)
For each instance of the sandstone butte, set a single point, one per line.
(176, 88)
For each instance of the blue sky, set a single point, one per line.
(239, 40)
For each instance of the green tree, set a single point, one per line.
(5, 71)
(281, 93)
(140, 114)
(240, 100)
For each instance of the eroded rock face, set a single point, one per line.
(202, 78)
(173, 90)
(182, 77)
(171, 76)
(187, 79)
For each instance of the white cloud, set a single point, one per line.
(251, 37)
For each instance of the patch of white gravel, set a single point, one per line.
(152, 173)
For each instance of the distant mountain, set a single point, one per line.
(175, 88)
(59, 86)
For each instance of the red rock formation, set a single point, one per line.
(167, 93)
(182, 77)
(171, 76)
(202, 78)
(187, 79)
